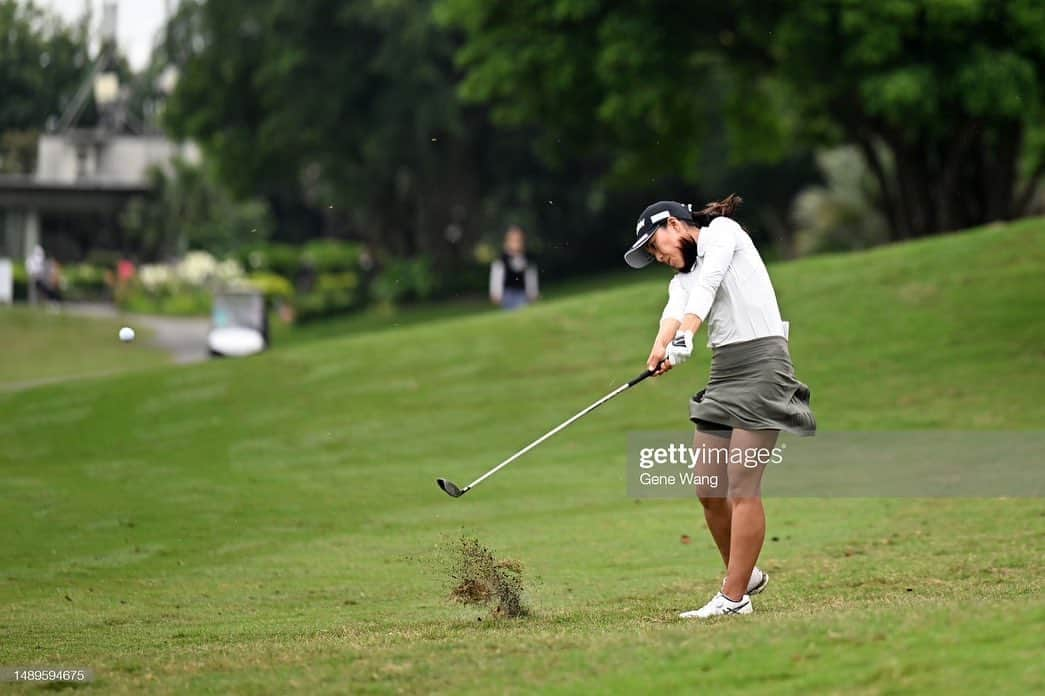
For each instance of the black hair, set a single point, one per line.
(725, 207)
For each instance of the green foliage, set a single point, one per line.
(85, 282)
(405, 280)
(527, 66)
(188, 209)
(380, 145)
(331, 277)
(333, 294)
(346, 282)
(281, 259)
(103, 258)
(173, 300)
(350, 112)
(339, 292)
(841, 214)
(41, 65)
(331, 255)
(19, 282)
(952, 90)
(272, 285)
(334, 279)
(182, 288)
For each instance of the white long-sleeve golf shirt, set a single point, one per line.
(728, 288)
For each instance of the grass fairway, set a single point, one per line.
(37, 346)
(273, 525)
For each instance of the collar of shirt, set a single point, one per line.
(700, 250)
(700, 243)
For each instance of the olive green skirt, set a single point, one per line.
(752, 386)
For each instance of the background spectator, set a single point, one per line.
(513, 277)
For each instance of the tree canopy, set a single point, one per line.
(351, 110)
(423, 125)
(943, 97)
(41, 65)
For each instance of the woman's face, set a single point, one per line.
(515, 241)
(673, 245)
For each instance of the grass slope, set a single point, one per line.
(38, 346)
(273, 524)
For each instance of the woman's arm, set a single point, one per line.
(496, 281)
(532, 291)
(720, 242)
(670, 319)
(655, 361)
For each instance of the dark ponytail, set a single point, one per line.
(725, 207)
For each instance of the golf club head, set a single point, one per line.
(450, 489)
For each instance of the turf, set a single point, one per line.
(273, 524)
(386, 318)
(38, 346)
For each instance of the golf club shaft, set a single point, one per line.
(542, 438)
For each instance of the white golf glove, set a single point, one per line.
(679, 350)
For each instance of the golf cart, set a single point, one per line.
(239, 324)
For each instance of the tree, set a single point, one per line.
(41, 65)
(349, 107)
(950, 91)
(186, 209)
(351, 110)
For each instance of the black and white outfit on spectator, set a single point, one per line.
(513, 281)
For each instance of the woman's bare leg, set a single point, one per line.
(718, 512)
(748, 521)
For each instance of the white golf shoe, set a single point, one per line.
(757, 583)
(720, 605)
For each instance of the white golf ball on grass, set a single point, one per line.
(126, 334)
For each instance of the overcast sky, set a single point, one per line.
(137, 23)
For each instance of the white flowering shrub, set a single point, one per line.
(155, 277)
(196, 268)
(229, 271)
(183, 287)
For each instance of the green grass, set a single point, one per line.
(388, 318)
(38, 346)
(371, 321)
(272, 524)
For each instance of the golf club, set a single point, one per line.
(454, 491)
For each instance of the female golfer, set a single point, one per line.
(752, 393)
